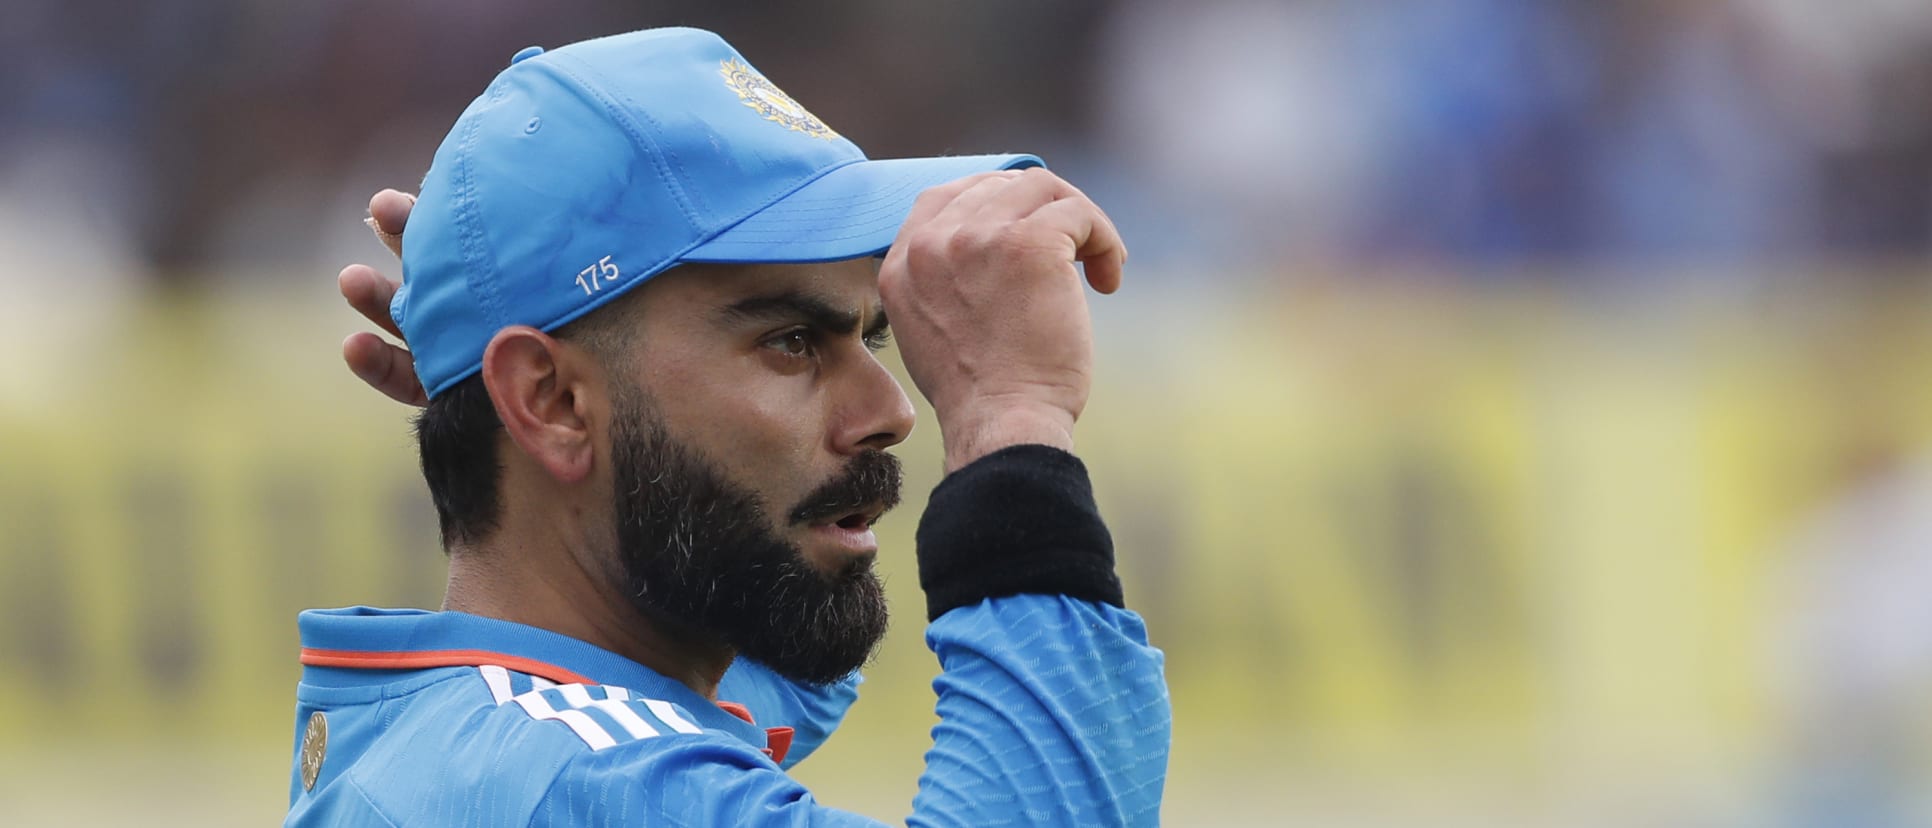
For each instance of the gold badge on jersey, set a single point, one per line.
(770, 101)
(315, 743)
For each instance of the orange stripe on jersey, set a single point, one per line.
(737, 709)
(779, 738)
(419, 659)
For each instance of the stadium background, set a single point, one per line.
(1519, 413)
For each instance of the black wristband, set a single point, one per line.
(1019, 520)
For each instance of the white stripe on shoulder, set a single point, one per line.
(499, 681)
(616, 703)
(664, 711)
(586, 728)
(574, 694)
(626, 717)
(541, 683)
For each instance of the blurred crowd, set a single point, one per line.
(1240, 136)
(1499, 131)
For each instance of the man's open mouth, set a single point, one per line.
(861, 519)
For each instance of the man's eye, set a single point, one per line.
(797, 343)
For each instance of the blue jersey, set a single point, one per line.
(1052, 710)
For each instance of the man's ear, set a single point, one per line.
(538, 386)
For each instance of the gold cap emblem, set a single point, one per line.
(770, 101)
(315, 743)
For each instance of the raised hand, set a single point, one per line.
(984, 292)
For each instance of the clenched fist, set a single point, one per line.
(984, 290)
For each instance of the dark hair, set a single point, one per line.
(456, 434)
(456, 437)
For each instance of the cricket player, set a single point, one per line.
(643, 294)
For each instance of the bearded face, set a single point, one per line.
(702, 554)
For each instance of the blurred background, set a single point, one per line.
(1520, 412)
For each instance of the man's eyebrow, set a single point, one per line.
(791, 304)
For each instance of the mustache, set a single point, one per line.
(872, 478)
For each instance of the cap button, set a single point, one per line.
(525, 53)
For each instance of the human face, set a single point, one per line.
(697, 552)
(769, 373)
(774, 573)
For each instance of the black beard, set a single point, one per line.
(700, 554)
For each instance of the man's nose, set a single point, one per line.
(875, 412)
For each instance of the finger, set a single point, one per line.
(384, 367)
(930, 203)
(935, 199)
(1091, 236)
(1060, 188)
(1031, 190)
(369, 292)
(391, 209)
(393, 241)
(978, 198)
(388, 215)
(1108, 228)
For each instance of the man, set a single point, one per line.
(643, 299)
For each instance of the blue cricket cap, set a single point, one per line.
(582, 172)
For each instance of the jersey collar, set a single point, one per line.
(340, 646)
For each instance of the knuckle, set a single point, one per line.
(934, 193)
(981, 238)
(934, 197)
(1048, 178)
(966, 239)
(1014, 236)
(925, 244)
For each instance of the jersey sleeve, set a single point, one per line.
(1052, 711)
(812, 711)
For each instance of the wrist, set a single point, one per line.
(971, 435)
(1017, 521)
